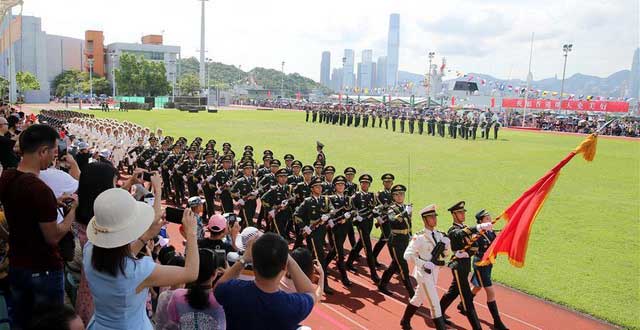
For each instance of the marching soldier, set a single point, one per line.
(318, 169)
(166, 169)
(204, 173)
(399, 216)
(295, 177)
(403, 117)
(426, 251)
(421, 124)
(363, 202)
(496, 127)
(460, 265)
(383, 200)
(265, 183)
(328, 187)
(350, 190)
(301, 191)
(394, 117)
(412, 122)
(288, 160)
(276, 201)
(265, 167)
(338, 227)
(312, 216)
(386, 120)
(245, 192)
(314, 115)
(321, 157)
(186, 168)
(482, 274)
(222, 181)
(307, 111)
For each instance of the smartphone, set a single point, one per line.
(174, 214)
(231, 219)
(62, 148)
(149, 199)
(146, 176)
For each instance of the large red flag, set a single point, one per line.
(520, 215)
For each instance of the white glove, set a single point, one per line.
(184, 177)
(347, 215)
(284, 202)
(461, 254)
(218, 191)
(446, 240)
(379, 221)
(307, 230)
(209, 178)
(430, 266)
(333, 211)
(324, 218)
(408, 208)
(359, 218)
(484, 226)
(272, 213)
(254, 193)
(240, 201)
(331, 224)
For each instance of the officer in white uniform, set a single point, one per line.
(427, 250)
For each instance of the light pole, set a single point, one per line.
(208, 62)
(566, 48)
(431, 55)
(282, 82)
(90, 81)
(113, 55)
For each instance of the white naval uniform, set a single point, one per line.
(419, 252)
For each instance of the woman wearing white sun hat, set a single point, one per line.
(119, 283)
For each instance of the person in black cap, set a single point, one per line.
(301, 190)
(167, 170)
(311, 217)
(399, 216)
(460, 265)
(187, 167)
(321, 156)
(338, 227)
(276, 200)
(203, 174)
(288, 160)
(350, 187)
(245, 193)
(295, 177)
(363, 202)
(265, 167)
(328, 187)
(264, 184)
(482, 274)
(318, 168)
(222, 182)
(383, 200)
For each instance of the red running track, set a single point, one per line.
(362, 307)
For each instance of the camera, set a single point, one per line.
(220, 257)
(62, 148)
(231, 218)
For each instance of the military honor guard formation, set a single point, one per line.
(309, 205)
(442, 122)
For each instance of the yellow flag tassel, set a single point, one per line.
(588, 147)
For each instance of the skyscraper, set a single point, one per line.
(393, 46)
(365, 69)
(347, 70)
(325, 69)
(381, 72)
(336, 79)
(634, 79)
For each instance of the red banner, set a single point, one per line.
(573, 105)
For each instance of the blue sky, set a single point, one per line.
(490, 36)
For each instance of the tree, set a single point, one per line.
(137, 76)
(67, 82)
(27, 81)
(189, 84)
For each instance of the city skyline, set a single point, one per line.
(490, 37)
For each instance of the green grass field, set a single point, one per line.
(584, 251)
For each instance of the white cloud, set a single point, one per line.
(491, 36)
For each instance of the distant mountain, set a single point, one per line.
(225, 76)
(615, 85)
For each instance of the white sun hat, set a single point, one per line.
(118, 219)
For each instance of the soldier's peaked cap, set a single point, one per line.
(339, 179)
(315, 182)
(329, 169)
(307, 169)
(365, 178)
(428, 210)
(349, 170)
(388, 177)
(459, 206)
(398, 189)
(282, 172)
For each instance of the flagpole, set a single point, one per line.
(529, 76)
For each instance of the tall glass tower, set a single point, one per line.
(393, 46)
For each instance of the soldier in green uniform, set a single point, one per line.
(394, 117)
(295, 177)
(288, 161)
(187, 167)
(318, 168)
(312, 216)
(363, 203)
(350, 189)
(328, 187)
(166, 169)
(245, 192)
(222, 182)
(420, 124)
(276, 200)
(399, 216)
(412, 122)
(383, 200)
(204, 173)
(460, 265)
(403, 117)
(320, 156)
(338, 227)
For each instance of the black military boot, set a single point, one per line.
(461, 306)
(497, 322)
(405, 323)
(473, 318)
(440, 323)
